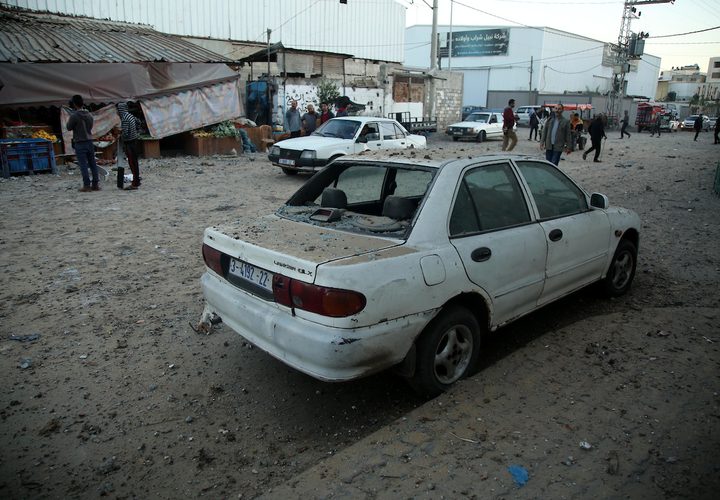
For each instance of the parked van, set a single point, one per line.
(524, 112)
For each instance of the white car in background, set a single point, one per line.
(338, 137)
(406, 260)
(523, 114)
(479, 126)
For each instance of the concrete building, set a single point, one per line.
(681, 84)
(527, 63)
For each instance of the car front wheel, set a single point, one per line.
(447, 351)
(622, 269)
(289, 171)
(481, 136)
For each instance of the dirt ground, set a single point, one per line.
(106, 389)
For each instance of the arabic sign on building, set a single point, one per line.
(492, 42)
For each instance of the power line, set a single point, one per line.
(687, 33)
(289, 19)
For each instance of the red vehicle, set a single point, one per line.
(647, 114)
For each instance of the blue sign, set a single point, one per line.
(493, 42)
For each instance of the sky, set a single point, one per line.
(597, 19)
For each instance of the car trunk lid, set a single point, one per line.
(290, 248)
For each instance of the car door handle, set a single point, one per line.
(481, 254)
(555, 235)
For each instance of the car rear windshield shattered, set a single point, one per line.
(370, 198)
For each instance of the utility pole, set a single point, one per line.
(627, 49)
(433, 61)
(268, 94)
(434, 42)
(531, 72)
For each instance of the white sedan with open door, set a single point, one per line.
(404, 262)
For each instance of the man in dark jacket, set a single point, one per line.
(698, 126)
(534, 122)
(556, 136)
(509, 136)
(81, 123)
(597, 134)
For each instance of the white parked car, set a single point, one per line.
(405, 262)
(479, 126)
(339, 137)
(523, 114)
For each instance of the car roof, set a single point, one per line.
(436, 158)
(364, 119)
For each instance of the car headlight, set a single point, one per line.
(476, 129)
(308, 154)
(275, 150)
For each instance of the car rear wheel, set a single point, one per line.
(289, 171)
(622, 269)
(447, 351)
(481, 136)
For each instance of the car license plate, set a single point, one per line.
(286, 161)
(457, 132)
(251, 274)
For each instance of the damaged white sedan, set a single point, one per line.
(404, 262)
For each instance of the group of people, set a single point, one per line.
(558, 134)
(81, 123)
(305, 124)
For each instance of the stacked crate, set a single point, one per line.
(21, 156)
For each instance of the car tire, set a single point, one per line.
(455, 139)
(481, 136)
(622, 269)
(446, 351)
(289, 171)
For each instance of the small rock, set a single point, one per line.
(585, 445)
(188, 419)
(25, 363)
(71, 289)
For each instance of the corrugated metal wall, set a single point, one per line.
(372, 29)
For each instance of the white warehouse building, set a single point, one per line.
(526, 59)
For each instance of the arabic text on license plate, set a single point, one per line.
(285, 161)
(250, 273)
(457, 132)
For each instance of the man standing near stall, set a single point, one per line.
(81, 123)
(130, 137)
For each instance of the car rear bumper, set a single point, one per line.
(324, 352)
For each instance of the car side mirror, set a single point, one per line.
(598, 200)
(363, 139)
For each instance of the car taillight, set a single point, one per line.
(212, 258)
(325, 301)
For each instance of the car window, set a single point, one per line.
(489, 198)
(411, 183)
(344, 129)
(493, 119)
(371, 131)
(399, 132)
(361, 183)
(554, 193)
(387, 131)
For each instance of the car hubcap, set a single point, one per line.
(453, 353)
(622, 269)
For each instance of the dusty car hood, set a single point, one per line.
(469, 124)
(287, 247)
(315, 143)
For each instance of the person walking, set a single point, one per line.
(597, 134)
(309, 120)
(292, 119)
(534, 122)
(717, 131)
(81, 123)
(325, 113)
(130, 134)
(556, 136)
(656, 126)
(543, 116)
(576, 128)
(625, 123)
(509, 135)
(698, 126)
